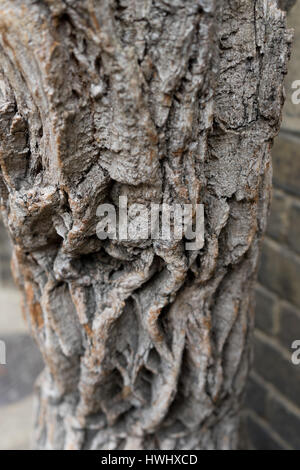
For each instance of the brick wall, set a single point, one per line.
(272, 412)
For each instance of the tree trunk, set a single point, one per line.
(146, 344)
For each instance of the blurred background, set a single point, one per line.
(271, 414)
(17, 380)
(271, 419)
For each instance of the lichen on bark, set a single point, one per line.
(146, 345)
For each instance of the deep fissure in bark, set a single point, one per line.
(146, 345)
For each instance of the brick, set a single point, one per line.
(293, 233)
(286, 164)
(256, 396)
(275, 368)
(289, 325)
(260, 436)
(278, 220)
(284, 421)
(280, 272)
(264, 312)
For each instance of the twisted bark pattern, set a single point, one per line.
(146, 345)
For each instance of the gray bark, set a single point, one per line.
(146, 345)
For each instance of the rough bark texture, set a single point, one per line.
(146, 345)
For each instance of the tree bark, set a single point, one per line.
(146, 345)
